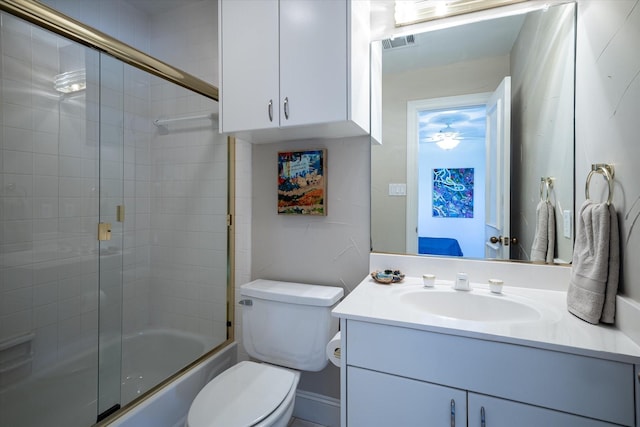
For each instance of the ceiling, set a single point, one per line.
(489, 38)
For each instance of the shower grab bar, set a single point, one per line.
(164, 122)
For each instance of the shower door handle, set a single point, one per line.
(270, 110)
(104, 231)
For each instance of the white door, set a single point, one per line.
(498, 203)
(249, 76)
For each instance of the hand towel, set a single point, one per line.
(541, 237)
(593, 270)
(609, 308)
(551, 233)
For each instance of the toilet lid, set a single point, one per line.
(243, 395)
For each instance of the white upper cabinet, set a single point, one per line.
(294, 69)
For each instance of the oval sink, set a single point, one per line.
(470, 305)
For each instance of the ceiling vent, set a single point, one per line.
(398, 42)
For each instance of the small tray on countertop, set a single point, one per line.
(387, 277)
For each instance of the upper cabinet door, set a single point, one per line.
(313, 61)
(249, 64)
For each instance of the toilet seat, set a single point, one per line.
(242, 396)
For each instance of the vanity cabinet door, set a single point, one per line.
(486, 411)
(377, 399)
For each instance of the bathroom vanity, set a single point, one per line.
(412, 357)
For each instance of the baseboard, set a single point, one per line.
(319, 409)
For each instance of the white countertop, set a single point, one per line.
(558, 330)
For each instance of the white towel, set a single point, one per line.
(596, 264)
(544, 240)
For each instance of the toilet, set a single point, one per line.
(286, 326)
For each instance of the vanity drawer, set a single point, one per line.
(586, 386)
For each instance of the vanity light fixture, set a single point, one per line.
(70, 82)
(409, 12)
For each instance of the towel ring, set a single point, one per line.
(545, 183)
(608, 172)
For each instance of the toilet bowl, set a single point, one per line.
(247, 394)
(284, 325)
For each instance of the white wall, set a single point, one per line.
(326, 250)
(607, 112)
(542, 124)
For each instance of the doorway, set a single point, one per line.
(446, 164)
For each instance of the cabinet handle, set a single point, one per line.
(270, 110)
(453, 413)
(286, 108)
(483, 422)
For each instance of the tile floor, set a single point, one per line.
(297, 422)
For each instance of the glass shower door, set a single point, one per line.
(110, 232)
(48, 218)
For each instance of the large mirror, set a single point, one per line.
(507, 80)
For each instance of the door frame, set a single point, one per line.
(413, 107)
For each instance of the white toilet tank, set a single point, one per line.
(288, 324)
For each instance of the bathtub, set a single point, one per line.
(65, 394)
(149, 357)
(168, 406)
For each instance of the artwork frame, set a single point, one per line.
(452, 193)
(302, 182)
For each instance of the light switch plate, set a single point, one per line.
(566, 228)
(397, 189)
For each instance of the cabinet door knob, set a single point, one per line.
(286, 108)
(270, 110)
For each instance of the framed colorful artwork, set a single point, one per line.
(453, 193)
(302, 182)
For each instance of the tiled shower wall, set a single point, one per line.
(189, 175)
(50, 186)
(175, 267)
(48, 183)
(130, 88)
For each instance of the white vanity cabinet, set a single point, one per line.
(396, 373)
(294, 68)
(487, 411)
(378, 399)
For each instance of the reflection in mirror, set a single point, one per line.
(426, 87)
